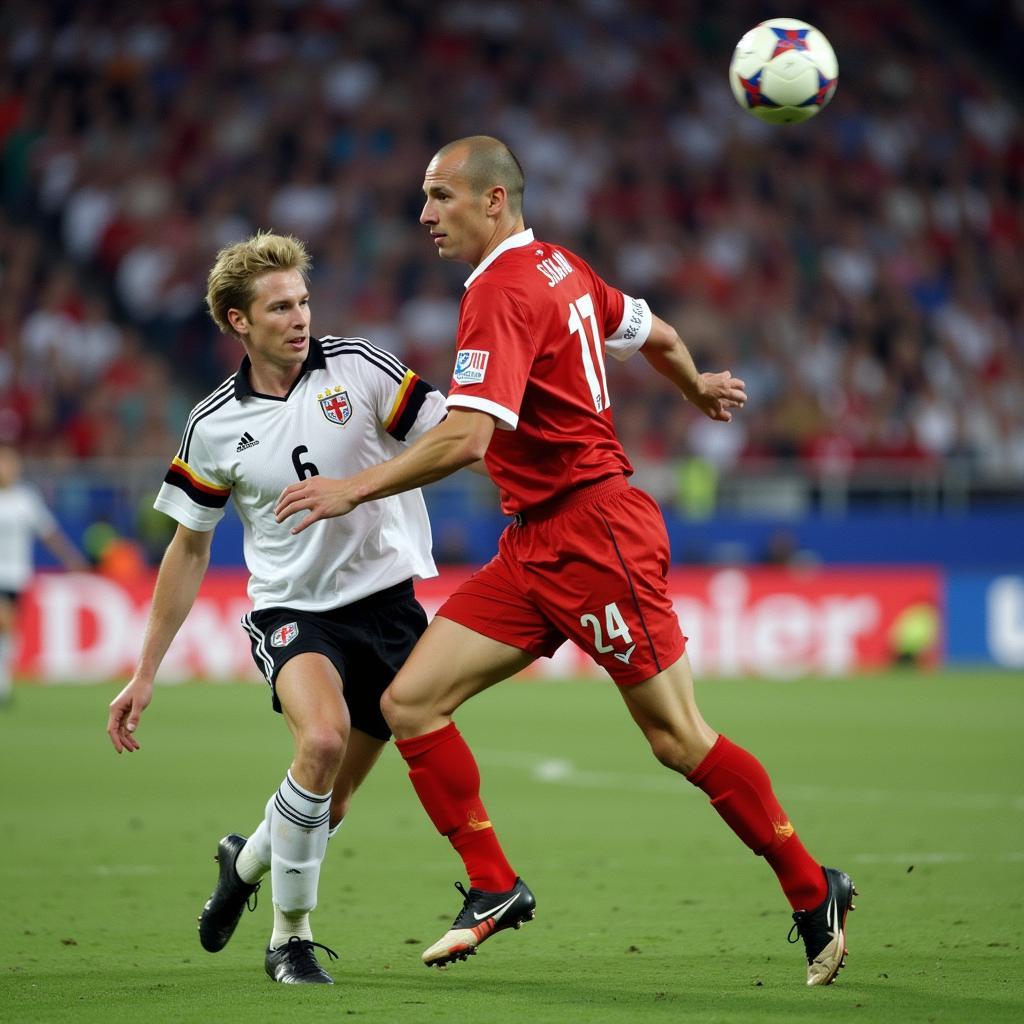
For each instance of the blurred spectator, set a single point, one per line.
(862, 272)
(24, 516)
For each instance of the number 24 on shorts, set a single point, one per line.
(614, 626)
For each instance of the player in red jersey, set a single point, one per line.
(586, 557)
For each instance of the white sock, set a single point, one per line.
(298, 841)
(287, 925)
(5, 666)
(254, 858)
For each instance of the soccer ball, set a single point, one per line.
(783, 71)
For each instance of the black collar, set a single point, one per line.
(315, 360)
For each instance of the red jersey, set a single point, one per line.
(534, 326)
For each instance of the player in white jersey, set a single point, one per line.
(334, 614)
(23, 517)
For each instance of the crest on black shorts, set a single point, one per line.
(284, 635)
(336, 406)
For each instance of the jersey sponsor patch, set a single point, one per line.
(470, 366)
(336, 406)
(284, 635)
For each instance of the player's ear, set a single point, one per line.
(497, 200)
(238, 320)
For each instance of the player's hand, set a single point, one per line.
(125, 711)
(718, 393)
(321, 497)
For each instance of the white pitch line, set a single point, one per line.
(116, 870)
(562, 772)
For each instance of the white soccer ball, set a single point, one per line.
(783, 71)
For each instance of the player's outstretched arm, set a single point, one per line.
(177, 584)
(713, 393)
(459, 440)
(65, 551)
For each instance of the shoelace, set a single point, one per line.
(465, 904)
(252, 900)
(800, 918)
(300, 951)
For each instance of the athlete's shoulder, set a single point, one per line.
(220, 396)
(205, 413)
(362, 351)
(536, 265)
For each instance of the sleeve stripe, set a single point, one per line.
(368, 347)
(201, 491)
(398, 406)
(210, 404)
(385, 362)
(408, 403)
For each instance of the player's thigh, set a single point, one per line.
(665, 709)
(599, 574)
(448, 665)
(310, 690)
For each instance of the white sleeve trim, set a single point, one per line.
(633, 331)
(507, 420)
(188, 514)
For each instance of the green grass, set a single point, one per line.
(648, 907)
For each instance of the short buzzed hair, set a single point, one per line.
(231, 283)
(490, 162)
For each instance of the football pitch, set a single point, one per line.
(649, 908)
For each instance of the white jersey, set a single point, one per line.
(23, 517)
(353, 406)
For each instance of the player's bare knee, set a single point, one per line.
(669, 750)
(403, 716)
(680, 751)
(324, 746)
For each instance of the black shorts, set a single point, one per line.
(367, 642)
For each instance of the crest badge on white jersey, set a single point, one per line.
(336, 406)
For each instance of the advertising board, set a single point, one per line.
(775, 623)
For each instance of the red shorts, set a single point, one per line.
(590, 567)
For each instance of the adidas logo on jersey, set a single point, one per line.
(246, 441)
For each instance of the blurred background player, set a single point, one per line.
(586, 557)
(334, 611)
(23, 517)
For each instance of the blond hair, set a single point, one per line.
(231, 283)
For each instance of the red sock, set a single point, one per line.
(446, 779)
(741, 792)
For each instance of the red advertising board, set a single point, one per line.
(775, 623)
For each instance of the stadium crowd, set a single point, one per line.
(861, 272)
